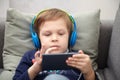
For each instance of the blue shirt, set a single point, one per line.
(26, 62)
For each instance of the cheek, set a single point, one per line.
(65, 41)
(43, 41)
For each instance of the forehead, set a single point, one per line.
(51, 24)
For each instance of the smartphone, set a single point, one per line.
(55, 61)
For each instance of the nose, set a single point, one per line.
(54, 38)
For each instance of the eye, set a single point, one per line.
(61, 33)
(46, 34)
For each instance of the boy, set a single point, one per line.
(53, 27)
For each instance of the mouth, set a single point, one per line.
(55, 46)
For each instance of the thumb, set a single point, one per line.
(81, 52)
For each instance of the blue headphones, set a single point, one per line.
(36, 40)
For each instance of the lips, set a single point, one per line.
(55, 46)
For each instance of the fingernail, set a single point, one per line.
(33, 61)
(38, 51)
(80, 51)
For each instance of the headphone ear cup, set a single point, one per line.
(73, 38)
(36, 40)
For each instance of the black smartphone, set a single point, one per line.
(55, 61)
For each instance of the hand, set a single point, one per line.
(38, 57)
(36, 67)
(50, 50)
(80, 61)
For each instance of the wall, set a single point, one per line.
(4, 4)
(108, 7)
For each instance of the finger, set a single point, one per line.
(41, 55)
(37, 54)
(75, 62)
(79, 62)
(49, 50)
(75, 65)
(33, 60)
(75, 59)
(81, 52)
(83, 59)
(42, 50)
(80, 56)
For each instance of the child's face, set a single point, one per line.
(54, 36)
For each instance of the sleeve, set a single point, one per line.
(81, 77)
(21, 72)
(97, 76)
